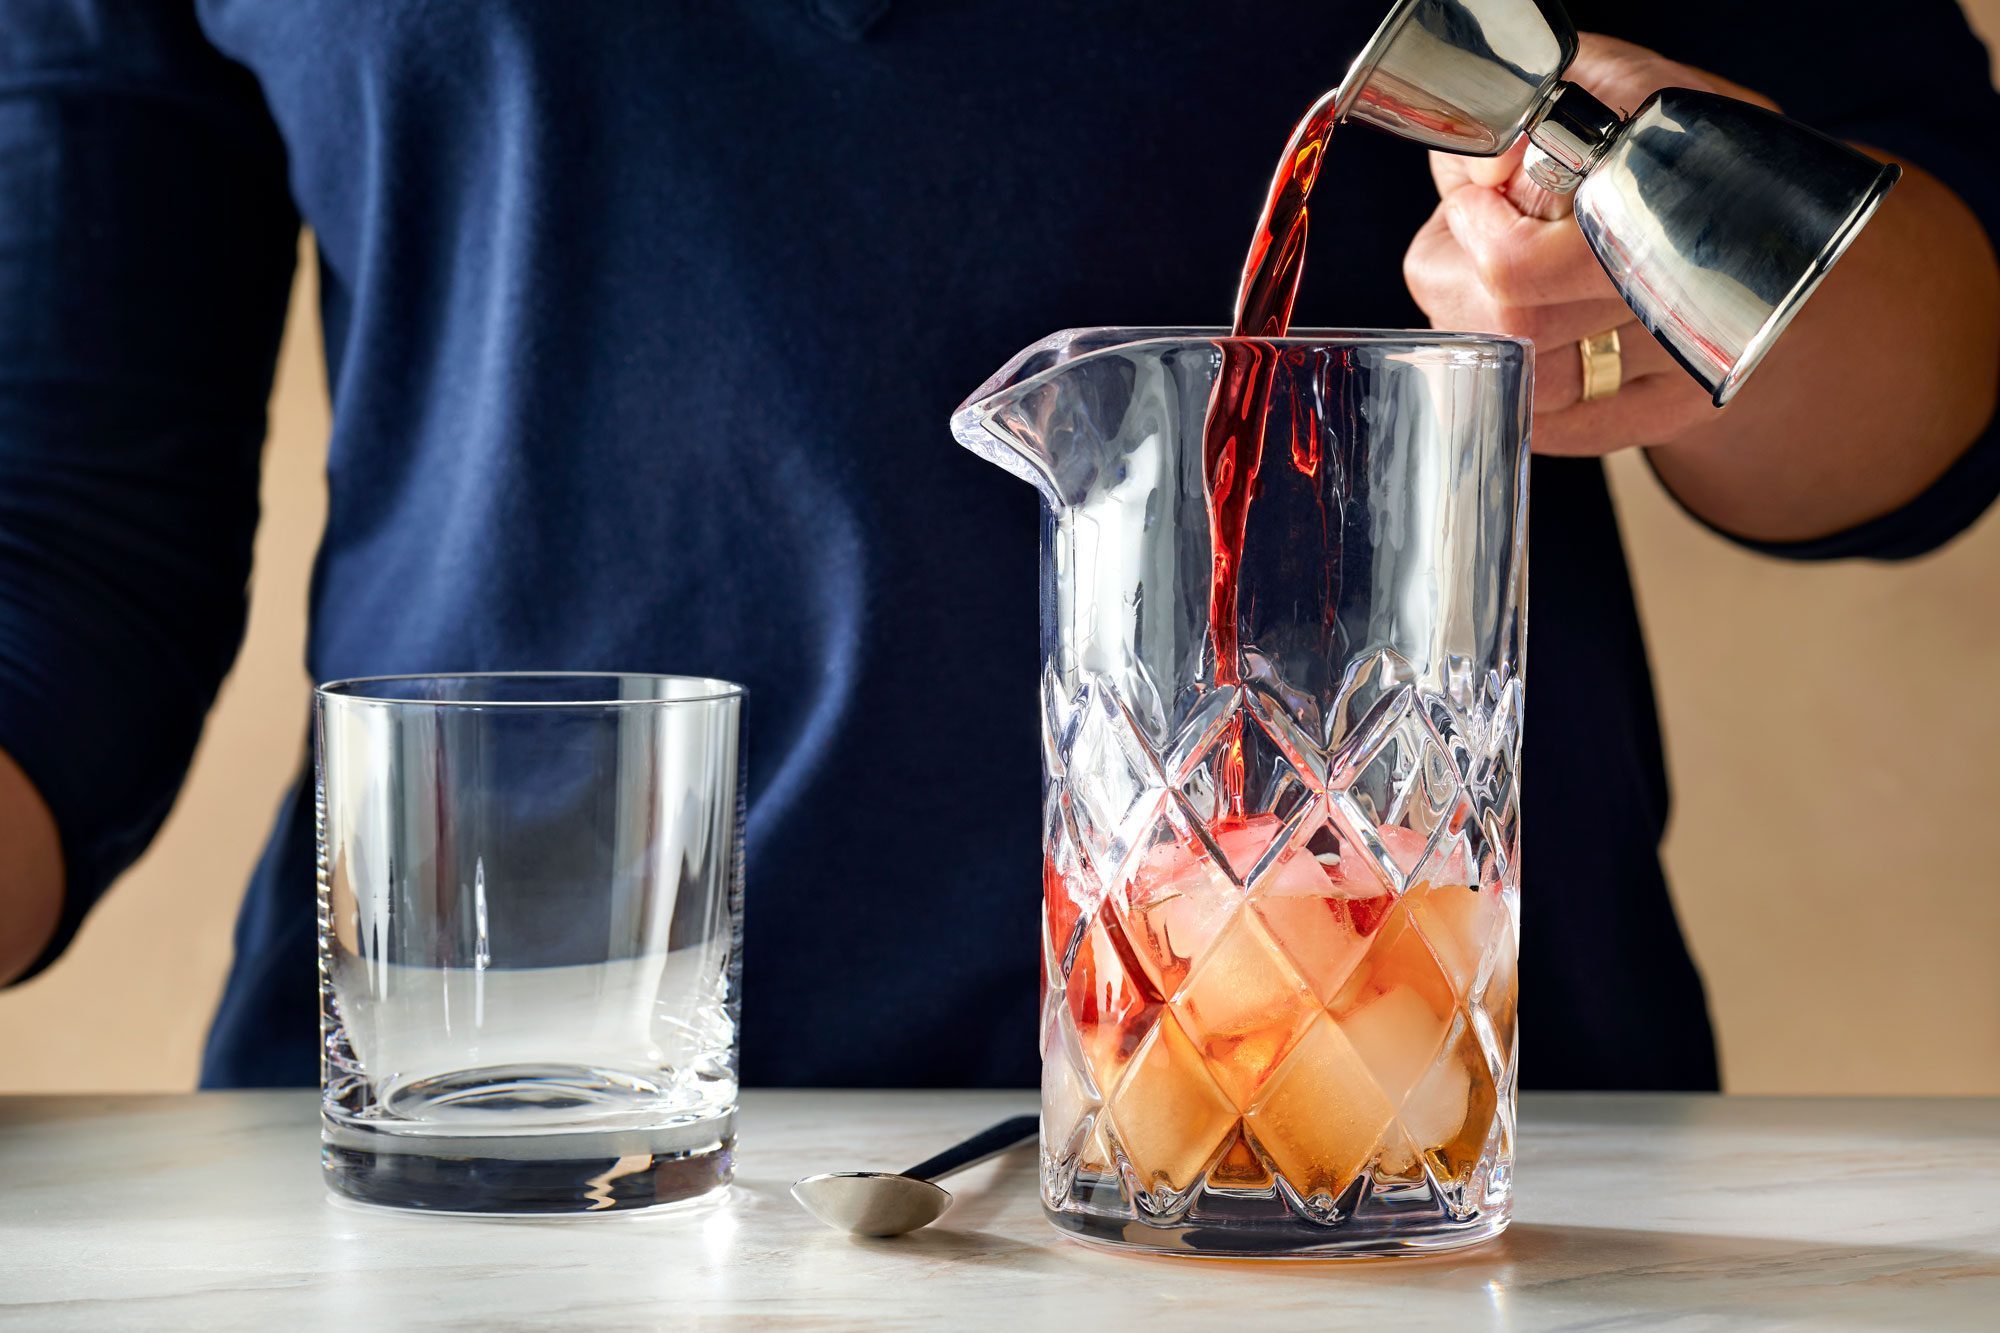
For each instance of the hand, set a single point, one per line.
(31, 872)
(1500, 254)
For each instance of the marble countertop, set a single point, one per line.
(206, 1211)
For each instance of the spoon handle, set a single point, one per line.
(987, 1143)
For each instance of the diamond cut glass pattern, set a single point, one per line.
(1244, 1007)
(1169, 1116)
(1281, 902)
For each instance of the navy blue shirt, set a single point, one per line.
(643, 321)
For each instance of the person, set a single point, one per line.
(642, 325)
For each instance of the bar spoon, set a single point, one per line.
(889, 1203)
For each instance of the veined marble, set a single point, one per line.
(206, 1212)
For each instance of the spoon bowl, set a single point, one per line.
(872, 1203)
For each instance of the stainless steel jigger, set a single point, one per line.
(1715, 219)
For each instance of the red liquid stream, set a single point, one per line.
(1233, 434)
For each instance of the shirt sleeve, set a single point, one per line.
(146, 252)
(1915, 85)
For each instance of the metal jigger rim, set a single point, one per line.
(1371, 55)
(1774, 324)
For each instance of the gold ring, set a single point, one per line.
(1603, 368)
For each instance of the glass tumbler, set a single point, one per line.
(530, 907)
(1281, 814)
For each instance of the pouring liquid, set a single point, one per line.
(1233, 433)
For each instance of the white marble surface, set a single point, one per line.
(206, 1212)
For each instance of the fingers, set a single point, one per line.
(1503, 173)
(1449, 289)
(1494, 171)
(1523, 261)
(1440, 276)
(1531, 200)
(1652, 409)
(1622, 75)
(1559, 296)
(1559, 365)
(1451, 170)
(1556, 325)
(1514, 275)
(1447, 286)
(1617, 73)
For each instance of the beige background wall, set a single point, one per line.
(1832, 730)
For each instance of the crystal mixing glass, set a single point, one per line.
(1280, 897)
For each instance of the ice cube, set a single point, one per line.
(1321, 902)
(1174, 903)
(1397, 1034)
(1242, 1006)
(1320, 1115)
(1462, 924)
(1169, 1116)
(1450, 1113)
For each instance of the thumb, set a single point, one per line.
(1496, 171)
(1501, 173)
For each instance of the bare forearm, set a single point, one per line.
(1881, 382)
(31, 872)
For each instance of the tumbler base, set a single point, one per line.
(498, 1178)
(1264, 1229)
